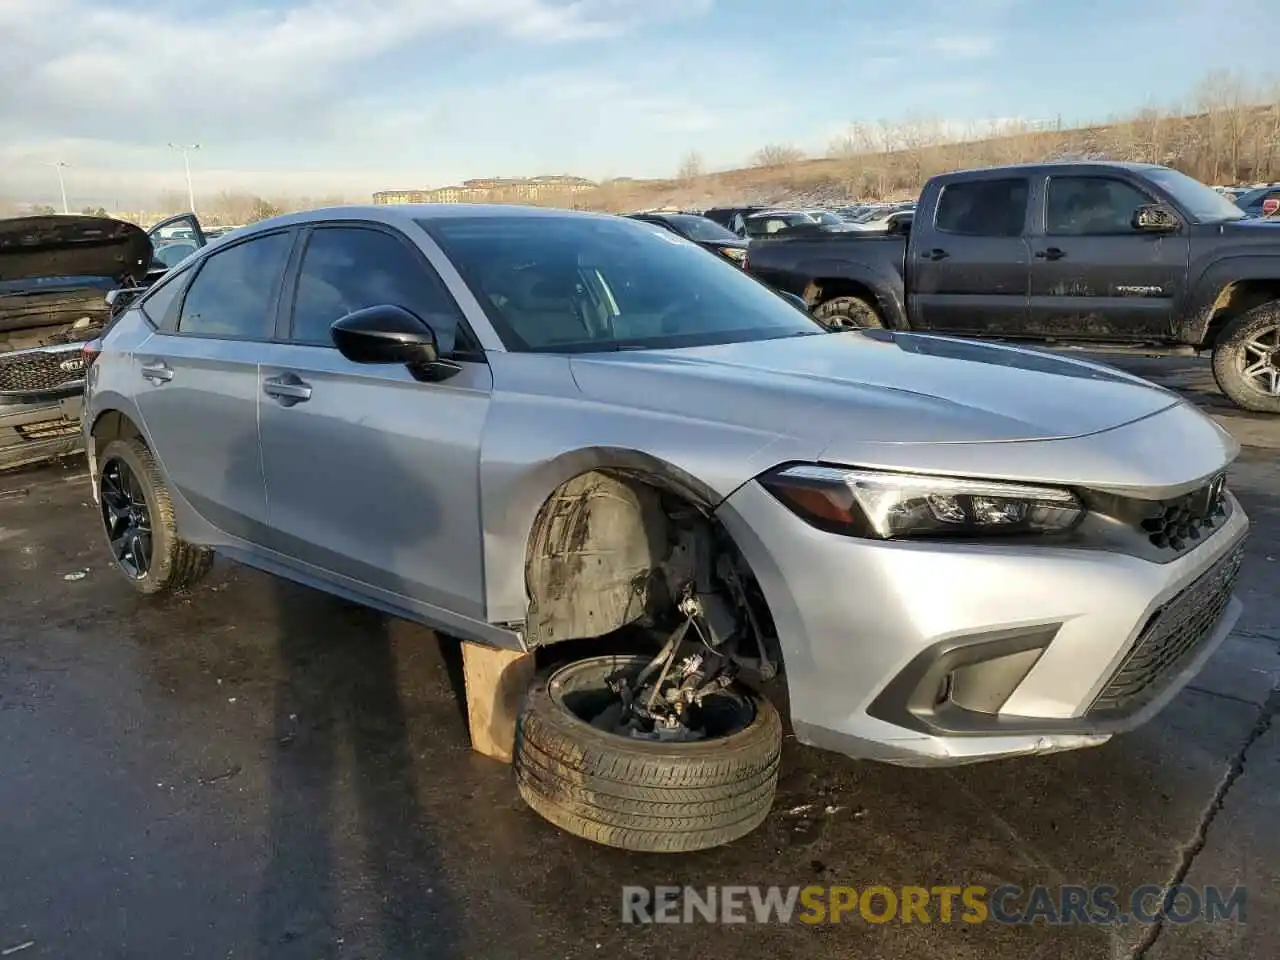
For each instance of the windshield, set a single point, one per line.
(702, 229)
(553, 284)
(1204, 204)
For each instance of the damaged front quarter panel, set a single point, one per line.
(595, 546)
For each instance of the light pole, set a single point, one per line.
(185, 150)
(62, 186)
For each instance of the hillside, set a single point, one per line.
(1231, 142)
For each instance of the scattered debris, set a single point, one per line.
(225, 775)
(9, 951)
(78, 575)
(800, 810)
(832, 811)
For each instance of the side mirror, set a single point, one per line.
(390, 334)
(1155, 218)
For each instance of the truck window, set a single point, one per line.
(1091, 206)
(983, 208)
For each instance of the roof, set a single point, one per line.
(1056, 165)
(407, 214)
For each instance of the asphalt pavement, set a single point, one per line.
(258, 770)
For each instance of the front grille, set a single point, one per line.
(32, 372)
(1177, 524)
(47, 430)
(1171, 638)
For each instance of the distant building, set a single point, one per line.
(493, 190)
(401, 196)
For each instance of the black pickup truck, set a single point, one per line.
(1108, 255)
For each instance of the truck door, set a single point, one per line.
(1093, 275)
(968, 265)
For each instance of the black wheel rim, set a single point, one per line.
(126, 518)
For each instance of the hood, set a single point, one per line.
(875, 387)
(72, 246)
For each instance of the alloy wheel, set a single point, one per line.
(1261, 361)
(126, 518)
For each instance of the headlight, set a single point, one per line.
(734, 253)
(865, 503)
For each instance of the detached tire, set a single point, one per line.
(171, 562)
(848, 313)
(1251, 342)
(642, 794)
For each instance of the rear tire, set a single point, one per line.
(642, 794)
(1250, 342)
(848, 313)
(172, 563)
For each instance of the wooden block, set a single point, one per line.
(496, 680)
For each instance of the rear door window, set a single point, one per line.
(983, 208)
(234, 295)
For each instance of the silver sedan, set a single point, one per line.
(524, 427)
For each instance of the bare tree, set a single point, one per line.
(691, 166)
(915, 136)
(777, 155)
(858, 139)
(1151, 135)
(1222, 99)
(1270, 128)
(262, 210)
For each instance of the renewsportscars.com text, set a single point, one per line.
(972, 904)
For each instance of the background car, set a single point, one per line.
(55, 274)
(771, 222)
(705, 232)
(1261, 201)
(732, 217)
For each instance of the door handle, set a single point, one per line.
(935, 254)
(157, 372)
(287, 389)
(1053, 253)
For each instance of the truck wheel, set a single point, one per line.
(137, 516)
(848, 313)
(1246, 359)
(660, 796)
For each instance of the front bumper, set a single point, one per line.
(35, 430)
(871, 631)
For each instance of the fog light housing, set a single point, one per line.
(960, 685)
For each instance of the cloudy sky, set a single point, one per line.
(318, 96)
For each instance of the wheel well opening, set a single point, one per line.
(1236, 299)
(820, 291)
(616, 550)
(113, 425)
